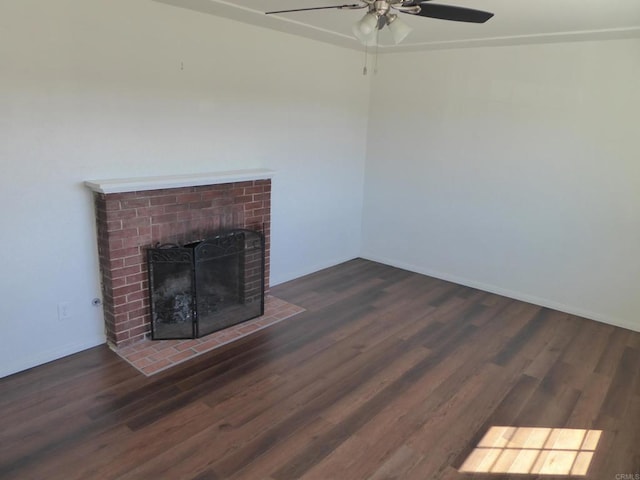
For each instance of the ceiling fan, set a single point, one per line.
(380, 14)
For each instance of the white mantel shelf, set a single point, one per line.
(122, 185)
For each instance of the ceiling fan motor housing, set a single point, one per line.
(381, 7)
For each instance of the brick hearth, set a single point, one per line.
(130, 222)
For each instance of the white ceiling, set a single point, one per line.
(515, 21)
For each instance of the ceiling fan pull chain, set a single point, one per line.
(375, 57)
(366, 54)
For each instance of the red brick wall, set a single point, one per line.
(129, 223)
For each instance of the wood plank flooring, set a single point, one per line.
(387, 375)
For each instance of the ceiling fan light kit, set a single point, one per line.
(379, 15)
(399, 29)
(366, 29)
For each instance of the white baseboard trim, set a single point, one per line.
(616, 322)
(278, 279)
(40, 358)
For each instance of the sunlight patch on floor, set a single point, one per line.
(534, 451)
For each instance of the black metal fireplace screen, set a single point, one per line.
(205, 286)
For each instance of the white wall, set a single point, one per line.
(512, 169)
(95, 89)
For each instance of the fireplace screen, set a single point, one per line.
(206, 286)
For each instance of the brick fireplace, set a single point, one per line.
(135, 214)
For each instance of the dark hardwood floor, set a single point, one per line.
(388, 374)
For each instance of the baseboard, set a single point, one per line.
(616, 322)
(40, 358)
(21, 364)
(57, 353)
(278, 279)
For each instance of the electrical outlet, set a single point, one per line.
(64, 311)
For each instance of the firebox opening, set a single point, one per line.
(205, 286)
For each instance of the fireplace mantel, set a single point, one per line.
(139, 184)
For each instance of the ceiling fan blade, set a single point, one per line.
(449, 12)
(349, 6)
